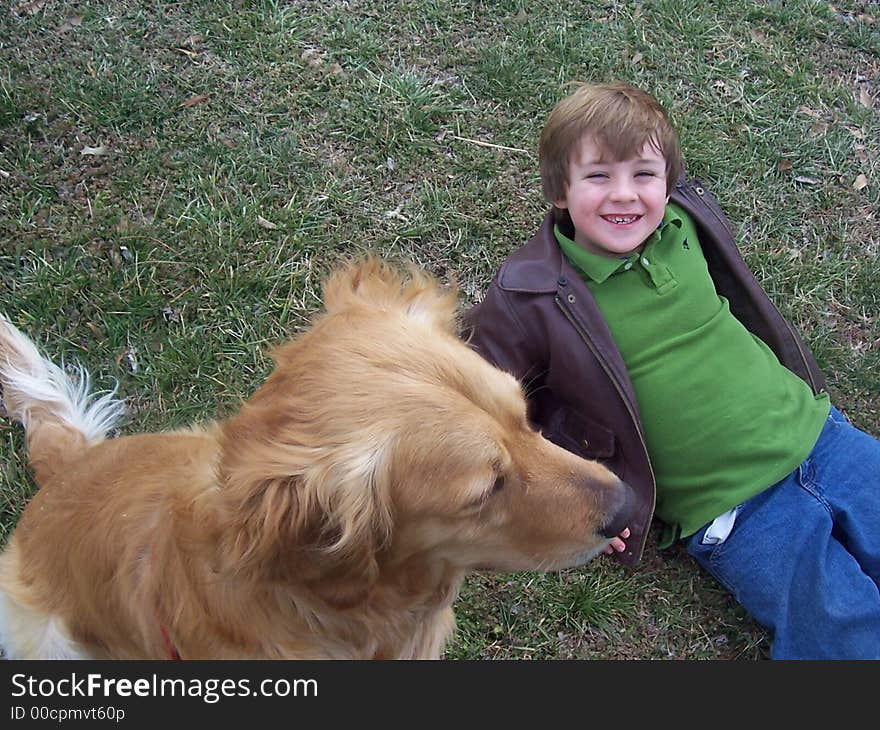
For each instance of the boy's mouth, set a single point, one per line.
(621, 220)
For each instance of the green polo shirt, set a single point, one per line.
(723, 419)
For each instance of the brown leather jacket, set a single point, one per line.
(540, 322)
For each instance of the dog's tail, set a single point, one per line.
(60, 417)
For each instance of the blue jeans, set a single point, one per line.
(803, 557)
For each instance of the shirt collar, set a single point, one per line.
(599, 268)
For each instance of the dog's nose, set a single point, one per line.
(622, 512)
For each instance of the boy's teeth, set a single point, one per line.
(621, 219)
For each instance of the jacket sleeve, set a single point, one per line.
(494, 329)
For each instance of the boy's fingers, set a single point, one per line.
(617, 543)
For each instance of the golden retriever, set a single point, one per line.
(335, 515)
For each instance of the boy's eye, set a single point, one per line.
(595, 175)
(645, 173)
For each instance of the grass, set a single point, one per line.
(175, 178)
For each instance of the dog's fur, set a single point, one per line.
(334, 516)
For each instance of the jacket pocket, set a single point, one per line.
(579, 434)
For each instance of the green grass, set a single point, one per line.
(200, 233)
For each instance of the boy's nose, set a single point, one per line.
(623, 190)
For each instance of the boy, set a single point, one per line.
(645, 342)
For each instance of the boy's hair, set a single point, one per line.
(619, 117)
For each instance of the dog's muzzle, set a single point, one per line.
(621, 513)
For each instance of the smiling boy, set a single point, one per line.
(645, 342)
(614, 206)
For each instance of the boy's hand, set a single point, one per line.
(617, 543)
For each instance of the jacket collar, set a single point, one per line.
(538, 266)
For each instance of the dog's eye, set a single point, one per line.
(498, 485)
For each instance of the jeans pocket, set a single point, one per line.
(710, 557)
(700, 550)
(720, 528)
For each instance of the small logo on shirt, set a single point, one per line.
(685, 244)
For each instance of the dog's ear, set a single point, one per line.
(375, 283)
(344, 527)
(322, 530)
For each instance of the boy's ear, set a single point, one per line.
(561, 204)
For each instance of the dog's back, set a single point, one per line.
(60, 425)
(87, 500)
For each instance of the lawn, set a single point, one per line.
(176, 178)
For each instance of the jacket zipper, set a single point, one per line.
(589, 342)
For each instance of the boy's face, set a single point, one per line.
(614, 205)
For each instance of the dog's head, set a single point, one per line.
(382, 440)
